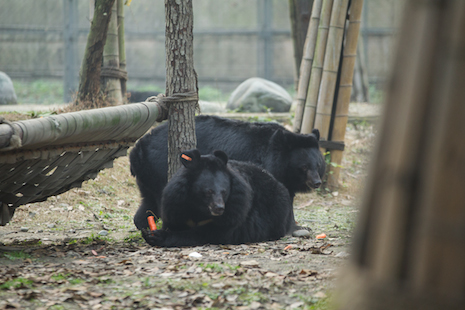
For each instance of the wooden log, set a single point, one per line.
(112, 123)
(317, 68)
(345, 87)
(408, 246)
(306, 64)
(331, 67)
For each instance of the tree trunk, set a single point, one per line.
(300, 11)
(111, 82)
(180, 79)
(121, 46)
(89, 84)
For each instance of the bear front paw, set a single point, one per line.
(154, 238)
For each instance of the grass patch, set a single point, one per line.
(208, 93)
(40, 91)
(15, 255)
(17, 283)
(134, 237)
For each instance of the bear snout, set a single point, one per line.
(216, 209)
(313, 179)
(216, 205)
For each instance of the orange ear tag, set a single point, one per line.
(186, 157)
(152, 225)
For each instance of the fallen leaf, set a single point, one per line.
(249, 263)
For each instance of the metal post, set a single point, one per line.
(365, 29)
(70, 37)
(265, 53)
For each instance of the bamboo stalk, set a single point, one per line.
(414, 196)
(111, 59)
(331, 68)
(121, 46)
(317, 67)
(306, 64)
(442, 199)
(345, 87)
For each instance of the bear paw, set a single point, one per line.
(154, 238)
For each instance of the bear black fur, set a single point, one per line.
(213, 201)
(293, 159)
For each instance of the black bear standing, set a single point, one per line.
(293, 159)
(211, 201)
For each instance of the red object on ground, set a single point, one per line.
(321, 236)
(151, 220)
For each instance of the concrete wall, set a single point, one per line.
(228, 42)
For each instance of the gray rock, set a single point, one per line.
(302, 233)
(258, 95)
(51, 225)
(73, 254)
(24, 229)
(103, 233)
(7, 91)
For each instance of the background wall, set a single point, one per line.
(233, 40)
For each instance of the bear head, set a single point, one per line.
(305, 165)
(209, 180)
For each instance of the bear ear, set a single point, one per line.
(221, 155)
(316, 133)
(191, 158)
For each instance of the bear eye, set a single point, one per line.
(304, 168)
(223, 193)
(209, 192)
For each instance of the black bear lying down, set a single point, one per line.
(213, 201)
(293, 159)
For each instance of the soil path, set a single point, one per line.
(80, 250)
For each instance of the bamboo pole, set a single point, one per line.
(408, 247)
(345, 87)
(121, 46)
(331, 68)
(111, 60)
(306, 64)
(317, 67)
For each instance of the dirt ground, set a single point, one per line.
(80, 250)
